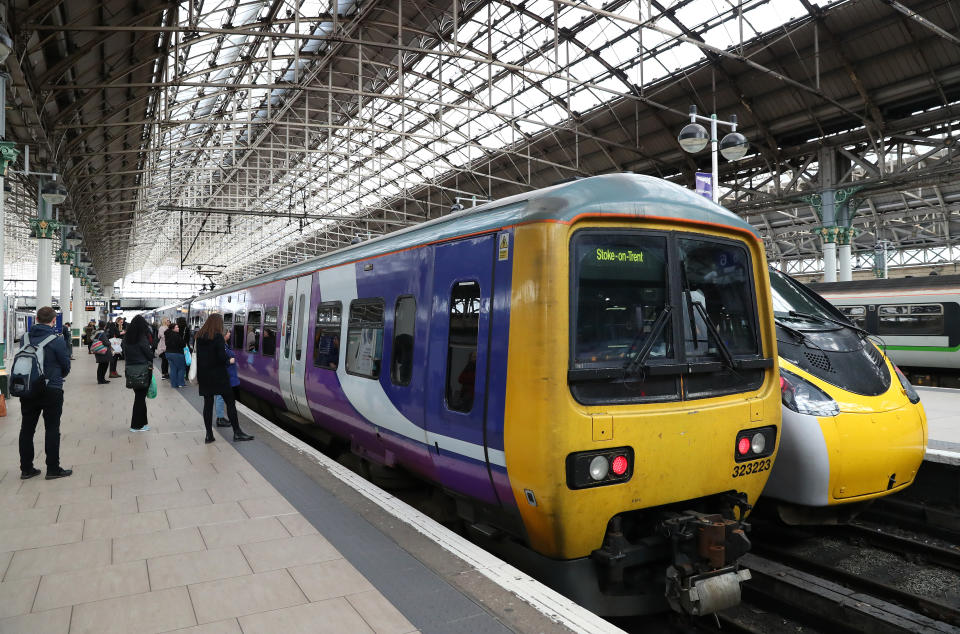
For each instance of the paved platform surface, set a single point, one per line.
(942, 406)
(157, 532)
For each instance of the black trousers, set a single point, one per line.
(139, 417)
(102, 371)
(113, 363)
(231, 405)
(164, 368)
(50, 404)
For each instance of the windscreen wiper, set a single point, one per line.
(843, 324)
(724, 350)
(799, 334)
(636, 362)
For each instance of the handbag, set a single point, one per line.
(186, 356)
(117, 344)
(152, 392)
(98, 347)
(192, 376)
(138, 375)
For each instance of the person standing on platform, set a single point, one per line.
(162, 348)
(174, 352)
(234, 381)
(68, 337)
(212, 376)
(114, 332)
(102, 359)
(137, 353)
(49, 402)
(88, 331)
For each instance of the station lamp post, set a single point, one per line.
(694, 137)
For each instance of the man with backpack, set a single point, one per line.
(37, 377)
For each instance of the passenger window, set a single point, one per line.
(404, 320)
(288, 328)
(228, 328)
(237, 343)
(326, 336)
(253, 331)
(462, 346)
(856, 314)
(365, 337)
(270, 331)
(911, 319)
(301, 327)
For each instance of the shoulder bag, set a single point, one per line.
(138, 375)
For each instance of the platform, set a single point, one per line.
(157, 532)
(942, 406)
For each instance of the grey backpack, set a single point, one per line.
(26, 375)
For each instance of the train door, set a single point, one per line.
(457, 367)
(294, 346)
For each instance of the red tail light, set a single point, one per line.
(620, 465)
(743, 446)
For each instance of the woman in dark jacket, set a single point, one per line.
(212, 361)
(174, 351)
(103, 360)
(138, 351)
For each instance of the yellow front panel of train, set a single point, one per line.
(682, 451)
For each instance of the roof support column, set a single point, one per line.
(44, 256)
(65, 309)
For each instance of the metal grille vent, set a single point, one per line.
(819, 360)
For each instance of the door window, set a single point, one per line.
(365, 337)
(288, 328)
(301, 325)
(237, 342)
(253, 331)
(462, 345)
(404, 320)
(326, 336)
(270, 331)
(911, 319)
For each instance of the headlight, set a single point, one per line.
(907, 387)
(804, 397)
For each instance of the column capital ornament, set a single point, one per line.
(8, 154)
(828, 234)
(43, 228)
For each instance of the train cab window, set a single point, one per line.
(270, 331)
(910, 319)
(365, 337)
(237, 343)
(856, 314)
(253, 331)
(404, 320)
(619, 294)
(462, 345)
(326, 336)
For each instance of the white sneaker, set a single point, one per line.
(144, 428)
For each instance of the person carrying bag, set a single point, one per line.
(138, 369)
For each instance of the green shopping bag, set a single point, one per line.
(152, 391)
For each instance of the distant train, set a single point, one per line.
(588, 370)
(853, 427)
(917, 319)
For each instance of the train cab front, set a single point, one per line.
(665, 423)
(853, 427)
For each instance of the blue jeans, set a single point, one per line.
(178, 369)
(218, 403)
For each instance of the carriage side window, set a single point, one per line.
(270, 331)
(326, 336)
(237, 339)
(253, 331)
(404, 320)
(301, 326)
(856, 314)
(462, 345)
(910, 319)
(365, 337)
(228, 326)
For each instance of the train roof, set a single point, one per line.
(628, 195)
(895, 284)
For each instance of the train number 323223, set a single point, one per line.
(751, 467)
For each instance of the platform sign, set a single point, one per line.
(114, 305)
(705, 184)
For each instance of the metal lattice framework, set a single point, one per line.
(236, 136)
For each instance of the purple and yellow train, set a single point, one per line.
(589, 370)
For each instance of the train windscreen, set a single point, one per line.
(648, 306)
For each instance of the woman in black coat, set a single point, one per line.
(137, 350)
(212, 360)
(103, 359)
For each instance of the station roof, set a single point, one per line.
(236, 136)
